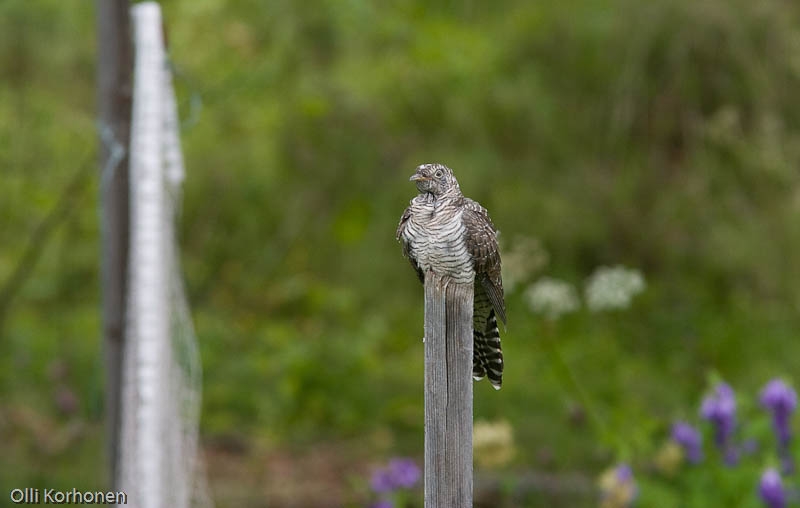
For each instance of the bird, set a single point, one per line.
(445, 232)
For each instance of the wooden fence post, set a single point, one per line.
(448, 393)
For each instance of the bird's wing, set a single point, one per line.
(481, 239)
(406, 248)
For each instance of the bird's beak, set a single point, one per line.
(416, 177)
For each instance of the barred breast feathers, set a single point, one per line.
(433, 238)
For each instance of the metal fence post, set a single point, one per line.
(114, 70)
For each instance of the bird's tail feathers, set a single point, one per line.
(487, 358)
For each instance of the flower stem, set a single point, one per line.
(568, 379)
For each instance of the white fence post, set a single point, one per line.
(147, 344)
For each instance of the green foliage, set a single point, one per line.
(660, 135)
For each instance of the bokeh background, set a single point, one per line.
(661, 136)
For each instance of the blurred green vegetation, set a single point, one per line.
(661, 135)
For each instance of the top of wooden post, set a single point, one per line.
(448, 393)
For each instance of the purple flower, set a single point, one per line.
(381, 481)
(404, 472)
(400, 474)
(781, 400)
(770, 488)
(720, 409)
(690, 440)
(383, 504)
(624, 473)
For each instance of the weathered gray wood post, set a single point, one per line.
(448, 393)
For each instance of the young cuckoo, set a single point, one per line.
(452, 235)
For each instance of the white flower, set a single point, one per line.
(613, 288)
(524, 257)
(552, 297)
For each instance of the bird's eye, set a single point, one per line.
(438, 173)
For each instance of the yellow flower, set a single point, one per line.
(617, 487)
(493, 443)
(669, 458)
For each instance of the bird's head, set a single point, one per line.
(436, 179)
